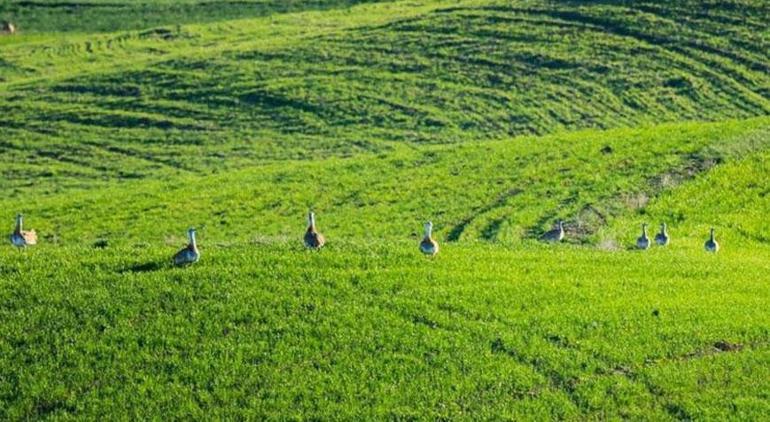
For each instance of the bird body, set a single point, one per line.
(428, 246)
(643, 242)
(555, 235)
(189, 254)
(711, 245)
(21, 238)
(662, 238)
(313, 239)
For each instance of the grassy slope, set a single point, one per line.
(504, 190)
(132, 137)
(361, 331)
(733, 198)
(346, 81)
(367, 329)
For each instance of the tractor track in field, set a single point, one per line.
(457, 230)
(142, 156)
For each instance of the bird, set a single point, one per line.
(189, 254)
(711, 245)
(555, 235)
(8, 28)
(643, 242)
(662, 238)
(428, 246)
(21, 238)
(313, 239)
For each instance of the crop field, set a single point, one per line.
(123, 124)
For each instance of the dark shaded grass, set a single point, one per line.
(101, 16)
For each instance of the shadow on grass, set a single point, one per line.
(143, 268)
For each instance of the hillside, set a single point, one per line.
(340, 82)
(122, 124)
(496, 191)
(734, 197)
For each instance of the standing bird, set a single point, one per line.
(643, 242)
(428, 246)
(189, 254)
(21, 238)
(313, 239)
(662, 238)
(555, 235)
(8, 28)
(711, 245)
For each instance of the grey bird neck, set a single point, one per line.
(19, 223)
(191, 237)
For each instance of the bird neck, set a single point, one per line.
(191, 237)
(311, 223)
(19, 224)
(712, 235)
(644, 230)
(428, 231)
(664, 229)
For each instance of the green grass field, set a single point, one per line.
(124, 123)
(362, 331)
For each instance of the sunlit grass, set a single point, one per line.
(209, 97)
(360, 330)
(491, 119)
(501, 191)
